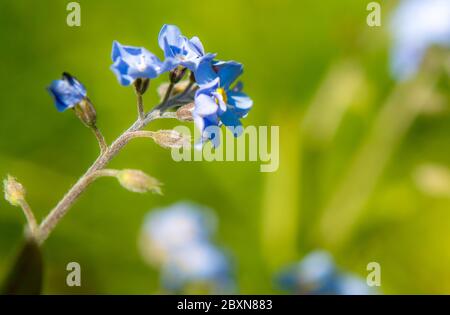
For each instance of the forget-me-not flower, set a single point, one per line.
(216, 101)
(199, 267)
(167, 230)
(178, 240)
(67, 92)
(318, 274)
(415, 26)
(131, 63)
(179, 50)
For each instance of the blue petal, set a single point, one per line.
(240, 102)
(135, 51)
(206, 119)
(75, 83)
(64, 94)
(132, 62)
(209, 127)
(208, 88)
(204, 72)
(231, 120)
(228, 72)
(120, 69)
(169, 64)
(197, 44)
(238, 87)
(169, 50)
(205, 105)
(169, 35)
(115, 52)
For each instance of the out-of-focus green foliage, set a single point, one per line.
(315, 69)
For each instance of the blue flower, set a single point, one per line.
(199, 267)
(351, 285)
(216, 102)
(67, 92)
(167, 230)
(313, 275)
(177, 239)
(179, 50)
(317, 274)
(131, 63)
(415, 26)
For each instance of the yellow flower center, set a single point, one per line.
(222, 92)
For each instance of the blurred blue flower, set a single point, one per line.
(131, 63)
(216, 102)
(177, 239)
(352, 285)
(67, 92)
(179, 50)
(317, 274)
(198, 267)
(167, 230)
(415, 26)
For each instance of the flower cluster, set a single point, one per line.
(318, 274)
(218, 99)
(177, 240)
(416, 25)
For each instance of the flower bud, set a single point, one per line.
(14, 191)
(177, 74)
(141, 85)
(138, 181)
(184, 113)
(171, 139)
(86, 112)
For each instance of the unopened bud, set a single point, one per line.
(139, 182)
(14, 191)
(184, 113)
(177, 74)
(171, 139)
(86, 112)
(141, 85)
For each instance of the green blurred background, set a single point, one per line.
(361, 176)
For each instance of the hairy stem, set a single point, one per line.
(31, 219)
(94, 171)
(107, 154)
(177, 100)
(140, 106)
(168, 92)
(105, 173)
(101, 140)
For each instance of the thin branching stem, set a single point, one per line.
(100, 138)
(177, 100)
(63, 206)
(168, 92)
(97, 169)
(140, 106)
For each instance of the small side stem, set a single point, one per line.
(142, 134)
(100, 138)
(168, 93)
(105, 173)
(97, 169)
(168, 103)
(29, 215)
(140, 106)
